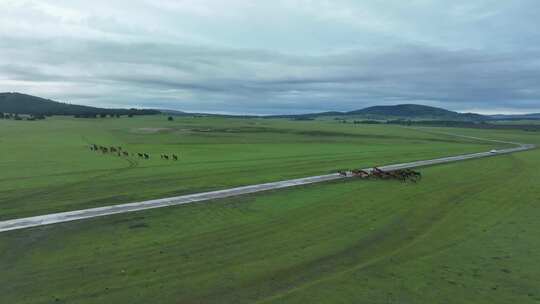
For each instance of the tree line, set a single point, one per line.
(15, 116)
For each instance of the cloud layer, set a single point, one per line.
(239, 56)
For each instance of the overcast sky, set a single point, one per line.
(280, 56)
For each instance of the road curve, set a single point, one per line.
(41, 220)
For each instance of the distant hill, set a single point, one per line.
(17, 103)
(174, 112)
(534, 116)
(415, 111)
(403, 111)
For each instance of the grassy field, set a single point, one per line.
(47, 166)
(468, 233)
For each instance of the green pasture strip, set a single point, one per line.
(468, 233)
(47, 166)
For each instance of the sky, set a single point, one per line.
(274, 57)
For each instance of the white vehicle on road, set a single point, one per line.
(493, 151)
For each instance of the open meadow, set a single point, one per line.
(269, 152)
(467, 233)
(47, 166)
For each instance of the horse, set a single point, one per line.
(360, 173)
(416, 176)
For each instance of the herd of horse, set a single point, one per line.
(119, 151)
(403, 175)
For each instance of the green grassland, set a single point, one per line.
(47, 166)
(468, 233)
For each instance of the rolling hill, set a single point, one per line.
(17, 103)
(533, 116)
(415, 111)
(403, 111)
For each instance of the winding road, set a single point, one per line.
(41, 220)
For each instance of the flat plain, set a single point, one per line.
(467, 233)
(47, 166)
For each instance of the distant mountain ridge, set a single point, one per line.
(533, 116)
(402, 111)
(417, 111)
(173, 112)
(406, 110)
(17, 103)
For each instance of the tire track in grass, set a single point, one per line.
(48, 190)
(131, 164)
(431, 223)
(22, 223)
(495, 214)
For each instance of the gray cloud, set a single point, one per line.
(159, 62)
